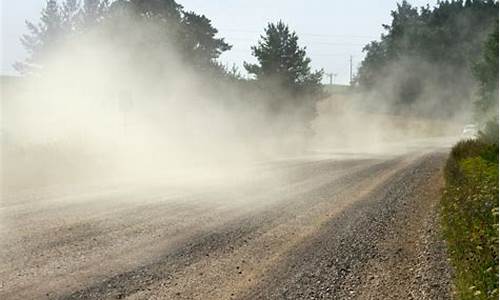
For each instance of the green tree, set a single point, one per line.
(70, 14)
(191, 35)
(486, 71)
(425, 56)
(282, 60)
(167, 25)
(93, 11)
(42, 38)
(57, 23)
(200, 46)
(164, 10)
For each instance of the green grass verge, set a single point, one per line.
(469, 214)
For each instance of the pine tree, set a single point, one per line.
(42, 38)
(93, 12)
(70, 13)
(486, 72)
(281, 59)
(200, 46)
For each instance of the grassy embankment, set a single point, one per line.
(469, 211)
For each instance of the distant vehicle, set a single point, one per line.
(470, 131)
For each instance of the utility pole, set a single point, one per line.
(330, 75)
(350, 70)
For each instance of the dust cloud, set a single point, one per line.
(408, 106)
(364, 122)
(109, 108)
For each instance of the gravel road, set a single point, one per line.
(304, 228)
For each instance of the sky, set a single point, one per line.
(331, 30)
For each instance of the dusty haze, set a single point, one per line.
(119, 109)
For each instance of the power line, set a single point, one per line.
(309, 52)
(306, 34)
(312, 43)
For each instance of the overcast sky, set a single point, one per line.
(332, 30)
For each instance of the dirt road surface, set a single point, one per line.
(306, 228)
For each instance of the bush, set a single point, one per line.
(469, 211)
(467, 149)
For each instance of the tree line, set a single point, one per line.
(192, 34)
(435, 53)
(437, 56)
(282, 77)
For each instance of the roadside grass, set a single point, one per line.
(469, 215)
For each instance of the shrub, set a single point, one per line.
(469, 211)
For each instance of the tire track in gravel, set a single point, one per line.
(57, 246)
(375, 249)
(309, 234)
(234, 257)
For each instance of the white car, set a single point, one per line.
(470, 131)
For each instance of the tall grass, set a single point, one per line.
(469, 211)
